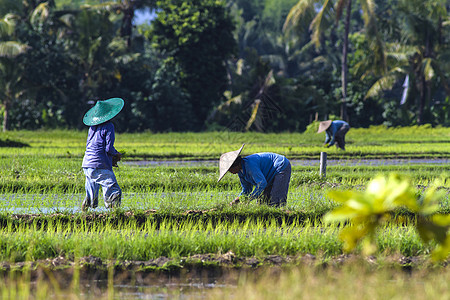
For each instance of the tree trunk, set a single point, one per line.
(422, 100)
(344, 66)
(424, 85)
(127, 23)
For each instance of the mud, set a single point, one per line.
(205, 266)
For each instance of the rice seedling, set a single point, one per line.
(406, 142)
(131, 240)
(178, 210)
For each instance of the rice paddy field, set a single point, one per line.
(176, 236)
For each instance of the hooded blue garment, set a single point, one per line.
(259, 170)
(331, 131)
(100, 147)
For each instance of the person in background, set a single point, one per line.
(263, 176)
(335, 132)
(100, 155)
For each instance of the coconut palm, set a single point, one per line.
(322, 20)
(10, 72)
(422, 57)
(127, 8)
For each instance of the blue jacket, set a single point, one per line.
(100, 147)
(259, 170)
(331, 131)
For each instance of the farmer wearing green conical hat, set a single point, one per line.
(100, 155)
(335, 132)
(265, 176)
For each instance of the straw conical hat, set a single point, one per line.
(324, 126)
(102, 111)
(226, 161)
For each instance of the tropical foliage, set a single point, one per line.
(225, 64)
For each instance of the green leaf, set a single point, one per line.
(441, 220)
(442, 251)
(341, 196)
(430, 201)
(340, 214)
(429, 231)
(351, 236)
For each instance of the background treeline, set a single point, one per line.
(194, 65)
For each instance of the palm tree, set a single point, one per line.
(321, 21)
(10, 72)
(127, 8)
(423, 57)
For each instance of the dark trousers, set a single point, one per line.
(275, 194)
(340, 136)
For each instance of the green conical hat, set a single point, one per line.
(102, 111)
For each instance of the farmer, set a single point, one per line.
(263, 175)
(335, 132)
(100, 155)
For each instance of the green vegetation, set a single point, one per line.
(173, 207)
(352, 281)
(214, 64)
(369, 210)
(129, 240)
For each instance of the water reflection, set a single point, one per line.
(165, 287)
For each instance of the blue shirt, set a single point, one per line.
(100, 147)
(331, 131)
(259, 170)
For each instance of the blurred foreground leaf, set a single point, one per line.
(368, 210)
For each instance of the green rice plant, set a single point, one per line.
(49, 175)
(381, 142)
(130, 240)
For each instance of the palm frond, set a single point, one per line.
(7, 25)
(441, 74)
(316, 24)
(40, 14)
(296, 13)
(252, 119)
(428, 69)
(382, 84)
(12, 49)
(107, 6)
(368, 10)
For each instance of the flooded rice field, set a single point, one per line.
(71, 203)
(294, 162)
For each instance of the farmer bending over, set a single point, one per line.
(263, 175)
(335, 132)
(100, 155)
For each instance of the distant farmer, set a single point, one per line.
(335, 132)
(264, 176)
(100, 155)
